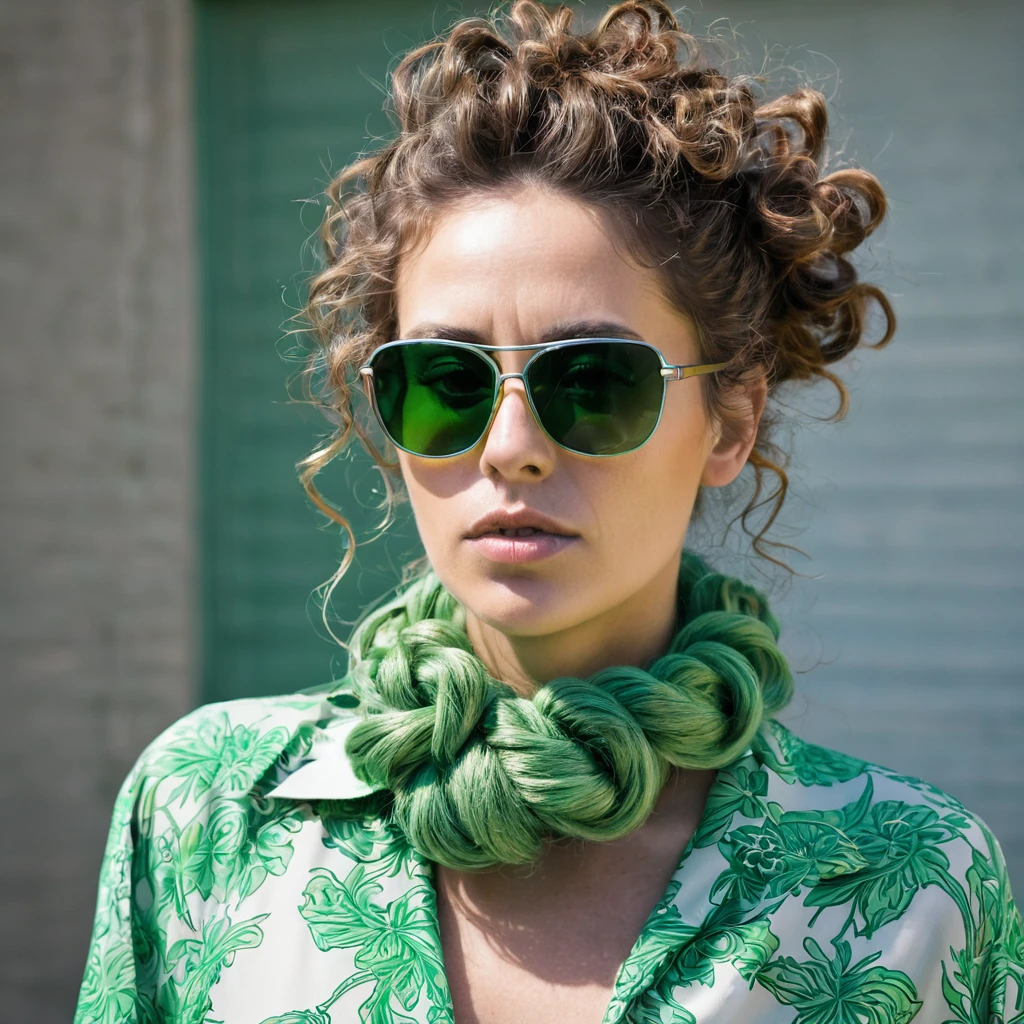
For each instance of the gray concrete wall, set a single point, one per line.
(97, 374)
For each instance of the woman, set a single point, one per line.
(550, 787)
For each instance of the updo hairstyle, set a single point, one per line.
(695, 174)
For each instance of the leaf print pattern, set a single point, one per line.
(729, 935)
(396, 949)
(220, 902)
(370, 839)
(738, 791)
(108, 989)
(975, 984)
(659, 1005)
(197, 965)
(316, 1016)
(809, 764)
(219, 756)
(797, 850)
(931, 794)
(834, 991)
(901, 844)
(243, 843)
(663, 933)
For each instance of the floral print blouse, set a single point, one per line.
(251, 878)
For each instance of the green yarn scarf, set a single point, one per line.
(479, 775)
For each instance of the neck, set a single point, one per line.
(631, 633)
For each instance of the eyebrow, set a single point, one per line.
(561, 331)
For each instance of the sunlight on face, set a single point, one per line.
(508, 270)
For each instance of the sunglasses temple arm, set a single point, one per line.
(682, 372)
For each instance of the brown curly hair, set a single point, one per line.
(716, 191)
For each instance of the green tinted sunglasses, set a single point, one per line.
(594, 396)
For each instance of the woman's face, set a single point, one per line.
(511, 272)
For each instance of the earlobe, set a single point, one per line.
(724, 462)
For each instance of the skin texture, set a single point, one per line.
(508, 270)
(545, 942)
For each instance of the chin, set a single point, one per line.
(520, 603)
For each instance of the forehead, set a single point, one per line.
(525, 263)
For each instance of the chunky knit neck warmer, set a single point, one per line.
(481, 776)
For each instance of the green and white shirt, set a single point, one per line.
(251, 878)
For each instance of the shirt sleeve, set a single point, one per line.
(190, 836)
(1007, 981)
(984, 981)
(109, 987)
(145, 920)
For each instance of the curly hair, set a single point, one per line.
(717, 192)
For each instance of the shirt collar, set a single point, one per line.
(327, 773)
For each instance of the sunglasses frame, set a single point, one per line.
(669, 372)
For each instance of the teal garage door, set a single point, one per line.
(905, 630)
(286, 93)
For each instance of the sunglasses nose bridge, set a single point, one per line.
(499, 394)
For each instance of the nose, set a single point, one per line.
(515, 445)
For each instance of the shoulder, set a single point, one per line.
(899, 835)
(226, 748)
(812, 773)
(197, 814)
(809, 776)
(229, 744)
(195, 832)
(898, 856)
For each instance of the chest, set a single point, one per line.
(543, 950)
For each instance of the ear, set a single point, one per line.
(738, 432)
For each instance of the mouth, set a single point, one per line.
(521, 522)
(520, 544)
(520, 531)
(520, 534)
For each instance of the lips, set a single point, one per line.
(519, 535)
(529, 546)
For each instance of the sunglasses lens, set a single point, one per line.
(600, 398)
(433, 399)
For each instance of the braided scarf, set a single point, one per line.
(480, 775)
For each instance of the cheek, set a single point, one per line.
(679, 447)
(432, 487)
(419, 494)
(646, 503)
(655, 489)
